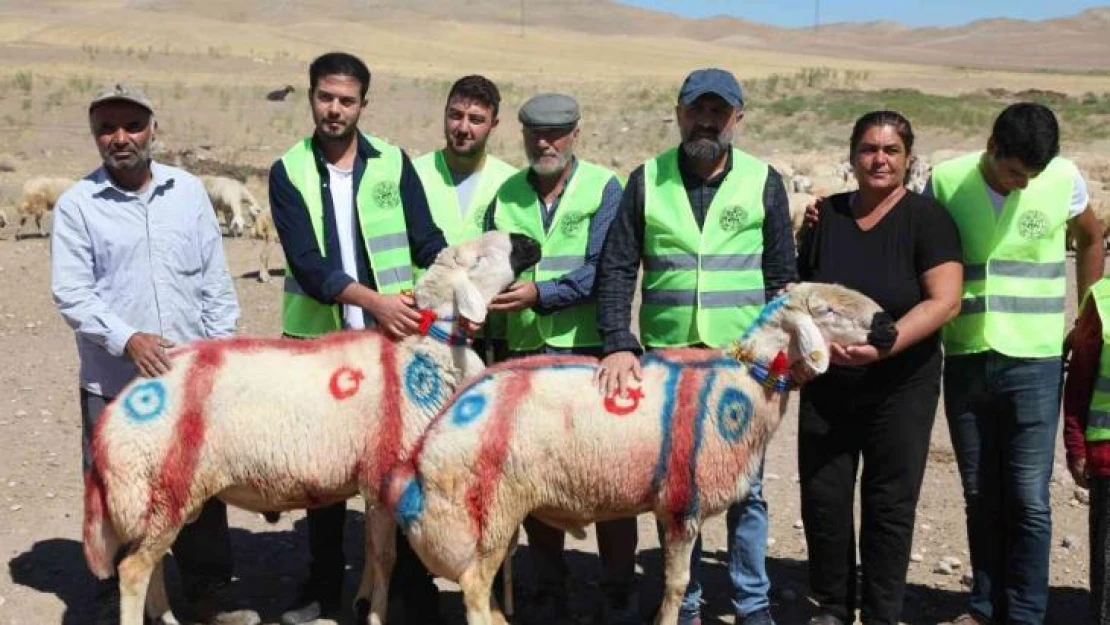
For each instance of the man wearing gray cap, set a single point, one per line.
(567, 204)
(137, 266)
(711, 225)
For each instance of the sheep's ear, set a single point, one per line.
(809, 342)
(468, 300)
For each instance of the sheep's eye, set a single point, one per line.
(823, 311)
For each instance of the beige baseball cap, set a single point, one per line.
(121, 92)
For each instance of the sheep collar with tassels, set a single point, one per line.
(774, 375)
(430, 328)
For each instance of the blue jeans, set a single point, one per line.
(746, 523)
(1003, 414)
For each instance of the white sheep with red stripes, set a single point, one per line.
(534, 437)
(275, 424)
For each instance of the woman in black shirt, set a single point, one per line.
(903, 250)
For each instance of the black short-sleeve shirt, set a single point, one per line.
(885, 262)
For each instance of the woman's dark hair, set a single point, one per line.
(475, 88)
(894, 119)
(1028, 132)
(339, 64)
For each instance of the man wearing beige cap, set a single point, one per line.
(567, 204)
(137, 267)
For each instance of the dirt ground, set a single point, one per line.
(46, 580)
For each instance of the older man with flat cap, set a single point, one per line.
(137, 267)
(711, 225)
(567, 204)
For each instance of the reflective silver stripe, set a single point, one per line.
(975, 272)
(293, 287)
(1011, 304)
(728, 299)
(973, 305)
(1021, 269)
(669, 297)
(1102, 385)
(715, 299)
(393, 275)
(709, 262)
(388, 242)
(731, 262)
(561, 263)
(670, 262)
(1015, 304)
(1098, 419)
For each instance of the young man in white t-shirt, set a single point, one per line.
(342, 274)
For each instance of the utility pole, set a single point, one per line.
(816, 15)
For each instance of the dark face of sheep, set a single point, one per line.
(816, 315)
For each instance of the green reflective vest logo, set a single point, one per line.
(1098, 417)
(381, 221)
(563, 248)
(1015, 274)
(443, 200)
(701, 285)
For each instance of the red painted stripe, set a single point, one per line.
(689, 355)
(293, 346)
(493, 447)
(384, 442)
(171, 488)
(678, 480)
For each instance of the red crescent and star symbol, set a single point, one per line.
(345, 382)
(624, 404)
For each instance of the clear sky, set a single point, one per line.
(795, 13)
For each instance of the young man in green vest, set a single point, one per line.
(567, 204)
(1013, 204)
(461, 179)
(1087, 432)
(353, 222)
(711, 225)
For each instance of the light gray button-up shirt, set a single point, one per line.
(124, 262)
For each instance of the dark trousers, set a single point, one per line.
(1003, 415)
(1100, 549)
(203, 548)
(616, 542)
(886, 423)
(325, 540)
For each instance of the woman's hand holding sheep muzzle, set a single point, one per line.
(148, 352)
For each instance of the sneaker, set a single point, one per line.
(825, 618)
(309, 607)
(759, 617)
(968, 619)
(213, 604)
(548, 606)
(622, 608)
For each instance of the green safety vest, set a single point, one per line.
(381, 219)
(1015, 276)
(563, 248)
(1098, 418)
(443, 200)
(701, 285)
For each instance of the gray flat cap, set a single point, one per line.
(121, 92)
(549, 110)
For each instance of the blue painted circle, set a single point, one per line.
(146, 401)
(734, 413)
(468, 408)
(422, 382)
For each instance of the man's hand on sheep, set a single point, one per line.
(519, 296)
(395, 314)
(148, 352)
(615, 373)
(1078, 469)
